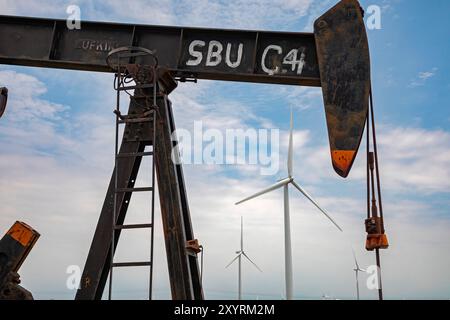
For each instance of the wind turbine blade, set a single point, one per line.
(354, 257)
(242, 234)
(251, 261)
(233, 261)
(291, 147)
(316, 204)
(271, 188)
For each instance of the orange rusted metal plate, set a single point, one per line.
(23, 233)
(376, 241)
(344, 63)
(14, 248)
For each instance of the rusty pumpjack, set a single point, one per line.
(334, 57)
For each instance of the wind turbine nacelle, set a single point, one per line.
(344, 64)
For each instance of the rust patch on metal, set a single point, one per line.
(344, 62)
(342, 159)
(23, 233)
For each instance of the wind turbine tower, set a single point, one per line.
(357, 270)
(241, 253)
(284, 183)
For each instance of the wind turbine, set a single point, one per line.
(284, 183)
(357, 270)
(241, 253)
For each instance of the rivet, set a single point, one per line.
(322, 24)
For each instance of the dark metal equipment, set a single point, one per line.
(236, 55)
(14, 249)
(344, 63)
(3, 100)
(376, 237)
(149, 123)
(144, 78)
(335, 57)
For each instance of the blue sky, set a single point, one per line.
(57, 141)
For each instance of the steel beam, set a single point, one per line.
(187, 223)
(237, 55)
(183, 266)
(97, 265)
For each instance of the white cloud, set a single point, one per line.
(416, 159)
(423, 77)
(56, 8)
(243, 14)
(206, 13)
(412, 160)
(25, 101)
(316, 10)
(426, 75)
(301, 98)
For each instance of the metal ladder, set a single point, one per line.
(148, 102)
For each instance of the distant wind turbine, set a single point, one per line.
(357, 270)
(287, 228)
(241, 253)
